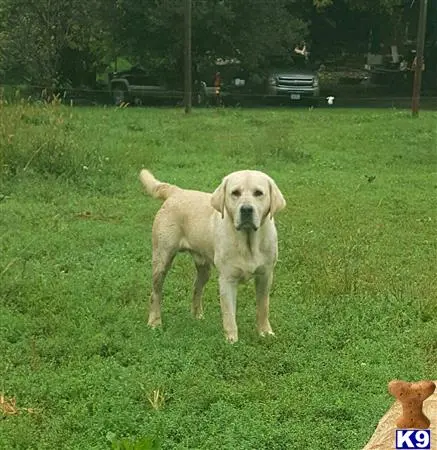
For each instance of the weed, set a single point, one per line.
(156, 399)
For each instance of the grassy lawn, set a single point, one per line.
(353, 304)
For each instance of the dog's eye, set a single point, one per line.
(236, 193)
(258, 193)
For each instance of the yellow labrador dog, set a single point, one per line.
(232, 229)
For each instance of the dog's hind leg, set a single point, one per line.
(202, 277)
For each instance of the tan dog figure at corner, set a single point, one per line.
(232, 229)
(411, 396)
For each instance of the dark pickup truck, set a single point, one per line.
(137, 86)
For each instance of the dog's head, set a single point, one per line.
(248, 197)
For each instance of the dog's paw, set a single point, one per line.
(154, 322)
(267, 333)
(198, 315)
(232, 338)
(264, 329)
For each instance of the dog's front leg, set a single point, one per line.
(263, 283)
(228, 303)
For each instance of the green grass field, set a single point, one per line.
(353, 304)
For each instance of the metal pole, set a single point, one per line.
(419, 57)
(187, 58)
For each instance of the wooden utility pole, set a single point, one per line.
(187, 58)
(421, 32)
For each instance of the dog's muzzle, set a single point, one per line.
(246, 218)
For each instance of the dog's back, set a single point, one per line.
(186, 216)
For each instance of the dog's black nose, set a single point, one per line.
(246, 211)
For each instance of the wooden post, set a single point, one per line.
(421, 32)
(187, 58)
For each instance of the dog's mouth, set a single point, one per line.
(246, 226)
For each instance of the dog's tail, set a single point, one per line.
(156, 188)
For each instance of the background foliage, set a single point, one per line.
(49, 42)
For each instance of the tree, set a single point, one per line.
(263, 29)
(151, 32)
(353, 25)
(43, 40)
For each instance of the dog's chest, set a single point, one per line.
(245, 268)
(243, 258)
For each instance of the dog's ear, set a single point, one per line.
(277, 201)
(218, 197)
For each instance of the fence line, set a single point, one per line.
(38, 91)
